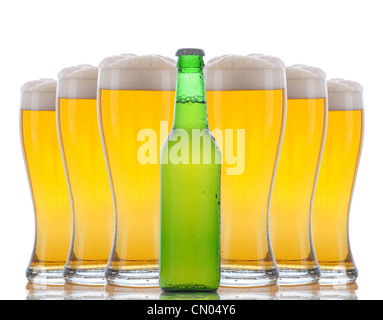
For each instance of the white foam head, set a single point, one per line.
(78, 82)
(245, 72)
(39, 95)
(305, 82)
(132, 72)
(344, 95)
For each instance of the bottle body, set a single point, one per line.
(190, 223)
(190, 170)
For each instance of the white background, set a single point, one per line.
(39, 38)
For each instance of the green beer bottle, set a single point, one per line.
(190, 165)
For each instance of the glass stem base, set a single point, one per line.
(334, 277)
(89, 277)
(52, 277)
(231, 277)
(132, 278)
(293, 277)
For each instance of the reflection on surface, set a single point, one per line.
(255, 293)
(126, 293)
(44, 292)
(272, 292)
(189, 296)
(339, 292)
(302, 292)
(82, 292)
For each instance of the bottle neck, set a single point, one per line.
(190, 108)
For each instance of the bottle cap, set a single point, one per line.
(190, 52)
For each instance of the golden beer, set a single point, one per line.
(47, 182)
(336, 182)
(298, 167)
(246, 109)
(136, 101)
(92, 202)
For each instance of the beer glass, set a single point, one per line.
(136, 103)
(246, 108)
(47, 182)
(298, 167)
(336, 182)
(87, 176)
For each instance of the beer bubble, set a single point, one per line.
(78, 82)
(305, 82)
(39, 95)
(301, 71)
(344, 95)
(81, 71)
(342, 85)
(188, 99)
(245, 62)
(245, 72)
(133, 72)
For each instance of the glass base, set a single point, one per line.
(89, 277)
(132, 278)
(293, 277)
(231, 277)
(334, 277)
(53, 277)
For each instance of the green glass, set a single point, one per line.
(190, 188)
(189, 296)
